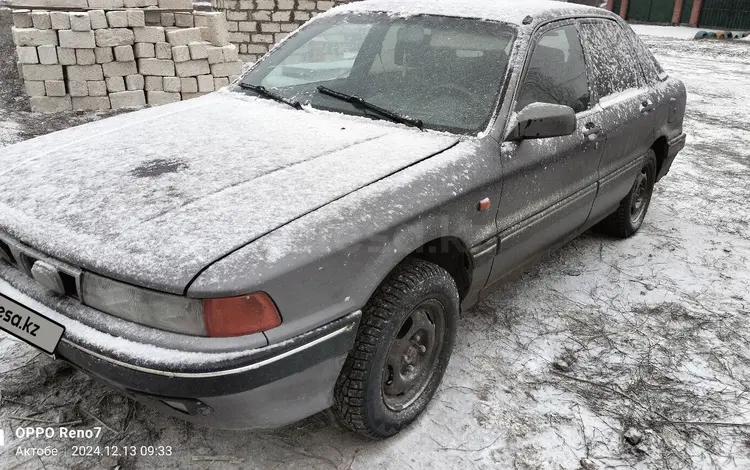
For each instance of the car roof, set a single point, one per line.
(507, 11)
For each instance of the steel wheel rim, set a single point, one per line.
(641, 196)
(413, 355)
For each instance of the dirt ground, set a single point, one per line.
(646, 336)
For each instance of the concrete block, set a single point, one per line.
(193, 68)
(42, 72)
(41, 19)
(152, 17)
(216, 31)
(78, 88)
(33, 36)
(172, 84)
(50, 104)
(167, 19)
(54, 87)
(19, 69)
(77, 39)
(134, 82)
(140, 3)
(230, 53)
(85, 56)
(105, 4)
(127, 99)
(189, 96)
(114, 37)
(215, 54)
(157, 98)
(225, 69)
(59, 20)
(91, 103)
(267, 28)
(47, 54)
(176, 4)
(58, 4)
(119, 69)
(35, 88)
(67, 56)
(115, 84)
(98, 19)
(104, 55)
(80, 21)
(189, 85)
(153, 83)
(163, 50)
(144, 50)
(151, 34)
(183, 20)
(180, 53)
(85, 72)
(239, 15)
(183, 37)
(136, 18)
(198, 50)
(27, 54)
(97, 88)
(22, 19)
(220, 82)
(117, 19)
(158, 67)
(124, 53)
(205, 83)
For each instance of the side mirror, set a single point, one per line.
(542, 120)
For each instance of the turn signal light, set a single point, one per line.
(243, 315)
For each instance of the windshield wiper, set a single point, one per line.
(361, 103)
(263, 91)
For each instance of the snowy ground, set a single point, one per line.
(649, 333)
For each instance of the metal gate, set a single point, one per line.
(726, 14)
(652, 11)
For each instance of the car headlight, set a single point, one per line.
(221, 317)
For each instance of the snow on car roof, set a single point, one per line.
(508, 11)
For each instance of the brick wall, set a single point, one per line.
(256, 25)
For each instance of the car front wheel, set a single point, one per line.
(628, 217)
(403, 346)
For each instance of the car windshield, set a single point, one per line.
(439, 72)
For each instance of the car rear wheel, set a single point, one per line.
(629, 216)
(403, 346)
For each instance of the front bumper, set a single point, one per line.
(674, 146)
(261, 387)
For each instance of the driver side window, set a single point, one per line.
(557, 72)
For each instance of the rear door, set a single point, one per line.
(628, 117)
(549, 184)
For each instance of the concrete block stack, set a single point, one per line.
(254, 26)
(114, 58)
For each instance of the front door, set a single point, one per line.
(549, 184)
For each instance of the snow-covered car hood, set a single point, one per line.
(155, 196)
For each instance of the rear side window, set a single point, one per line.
(615, 65)
(557, 72)
(651, 67)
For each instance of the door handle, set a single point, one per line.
(647, 106)
(592, 131)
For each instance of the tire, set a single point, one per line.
(372, 396)
(631, 212)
